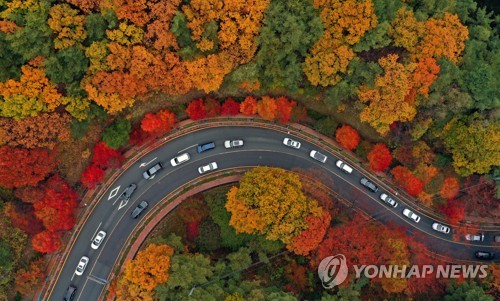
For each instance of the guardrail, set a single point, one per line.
(133, 155)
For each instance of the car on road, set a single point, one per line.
(180, 159)
(318, 156)
(127, 193)
(291, 143)
(98, 240)
(205, 146)
(233, 143)
(209, 167)
(411, 215)
(70, 293)
(441, 228)
(82, 264)
(475, 237)
(344, 167)
(152, 171)
(484, 255)
(365, 182)
(138, 210)
(388, 200)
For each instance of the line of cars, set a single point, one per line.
(391, 202)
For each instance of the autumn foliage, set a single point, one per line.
(159, 123)
(262, 205)
(20, 167)
(450, 188)
(230, 107)
(148, 269)
(249, 106)
(379, 157)
(347, 136)
(46, 242)
(196, 109)
(454, 210)
(404, 177)
(28, 279)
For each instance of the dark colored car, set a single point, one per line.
(70, 293)
(125, 196)
(206, 146)
(138, 210)
(484, 255)
(153, 170)
(365, 182)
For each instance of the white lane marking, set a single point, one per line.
(123, 203)
(144, 164)
(186, 148)
(73, 276)
(113, 193)
(95, 232)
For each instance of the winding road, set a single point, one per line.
(262, 147)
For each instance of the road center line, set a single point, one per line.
(186, 148)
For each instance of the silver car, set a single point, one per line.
(208, 167)
(411, 215)
(148, 174)
(80, 268)
(233, 143)
(318, 156)
(344, 167)
(441, 228)
(388, 200)
(180, 159)
(98, 240)
(291, 143)
(474, 237)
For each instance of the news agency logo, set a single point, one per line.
(333, 270)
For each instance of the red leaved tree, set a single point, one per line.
(450, 188)
(45, 242)
(284, 109)
(299, 113)
(454, 210)
(92, 176)
(347, 136)
(230, 107)
(196, 109)
(405, 178)
(56, 210)
(20, 167)
(22, 216)
(310, 238)
(379, 157)
(105, 157)
(159, 123)
(249, 106)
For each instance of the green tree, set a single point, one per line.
(386, 10)
(117, 134)
(66, 66)
(466, 291)
(6, 257)
(96, 27)
(290, 29)
(474, 144)
(374, 39)
(209, 238)
(10, 61)
(34, 38)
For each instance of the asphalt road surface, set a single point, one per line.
(262, 147)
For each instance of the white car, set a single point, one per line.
(233, 143)
(318, 156)
(291, 143)
(180, 159)
(80, 268)
(388, 200)
(441, 228)
(409, 214)
(208, 167)
(475, 237)
(344, 167)
(98, 240)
